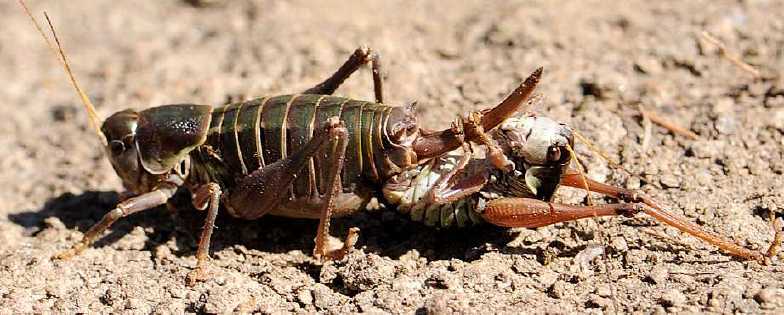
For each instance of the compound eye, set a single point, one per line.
(557, 154)
(117, 147)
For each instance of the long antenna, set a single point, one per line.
(95, 121)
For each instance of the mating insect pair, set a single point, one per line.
(314, 155)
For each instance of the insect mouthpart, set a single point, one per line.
(538, 148)
(534, 140)
(120, 132)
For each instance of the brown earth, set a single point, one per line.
(602, 59)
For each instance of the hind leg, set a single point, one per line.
(680, 222)
(361, 56)
(259, 192)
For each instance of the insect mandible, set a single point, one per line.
(314, 155)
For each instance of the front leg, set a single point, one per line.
(205, 196)
(129, 206)
(653, 209)
(434, 144)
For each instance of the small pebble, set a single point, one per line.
(673, 297)
(707, 148)
(548, 278)
(659, 275)
(602, 302)
(770, 298)
(726, 124)
(55, 223)
(633, 183)
(134, 304)
(438, 304)
(670, 181)
(619, 244)
(176, 292)
(647, 65)
(305, 296)
(323, 297)
(773, 102)
(162, 252)
(723, 106)
(558, 290)
(776, 119)
(219, 280)
(603, 290)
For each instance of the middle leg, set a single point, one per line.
(337, 152)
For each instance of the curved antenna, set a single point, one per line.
(603, 155)
(95, 121)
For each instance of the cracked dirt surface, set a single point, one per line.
(602, 60)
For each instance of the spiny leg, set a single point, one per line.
(338, 141)
(473, 126)
(265, 189)
(205, 196)
(132, 205)
(360, 57)
(437, 143)
(531, 213)
(572, 179)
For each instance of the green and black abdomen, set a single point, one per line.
(245, 137)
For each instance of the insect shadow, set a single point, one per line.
(383, 232)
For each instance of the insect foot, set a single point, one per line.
(337, 251)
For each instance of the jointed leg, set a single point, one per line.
(265, 189)
(361, 56)
(685, 225)
(530, 213)
(457, 183)
(338, 141)
(132, 205)
(437, 143)
(207, 195)
(496, 156)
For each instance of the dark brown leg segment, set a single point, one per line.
(209, 194)
(132, 205)
(265, 189)
(338, 155)
(471, 128)
(360, 57)
(573, 179)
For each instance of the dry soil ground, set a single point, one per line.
(602, 59)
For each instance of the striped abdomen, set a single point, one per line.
(247, 136)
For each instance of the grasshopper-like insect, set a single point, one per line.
(314, 155)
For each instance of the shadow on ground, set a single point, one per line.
(386, 233)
